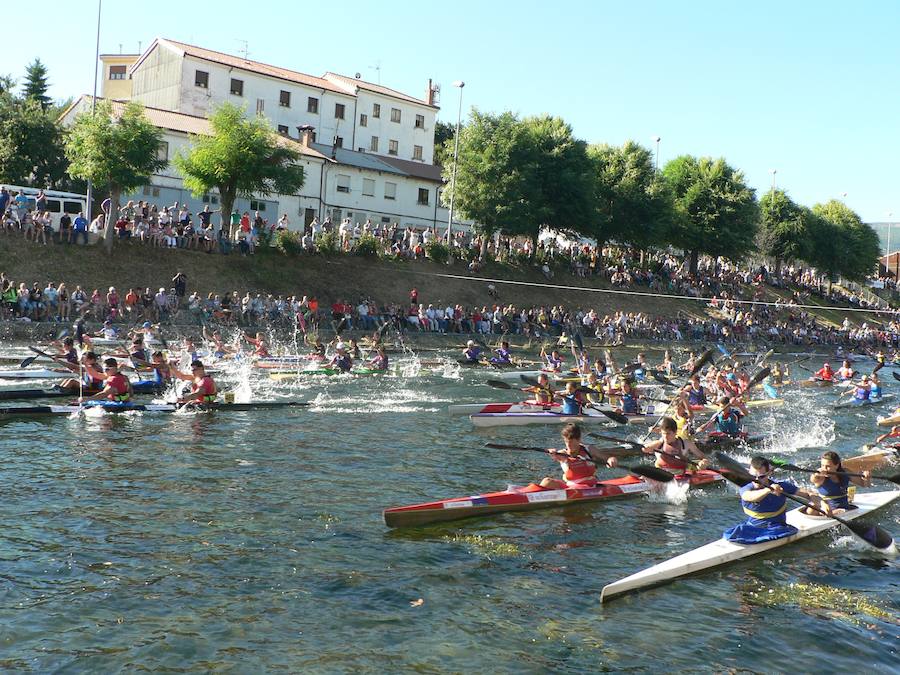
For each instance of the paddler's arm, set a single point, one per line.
(101, 394)
(651, 448)
(95, 374)
(179, 375)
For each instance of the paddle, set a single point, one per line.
(787, 466)
(644, 470)
(497, 384)
(621, 441)
(873, 535)
(662, 379)
(756, 379)
(895, 375)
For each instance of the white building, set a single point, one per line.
(368, 150)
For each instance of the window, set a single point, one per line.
(420, 121)
(257, 205)
(417, 152)
(343, 183)
(308, 216)
(210, 199)
(393, 147)
(162, 152)
(339, 111)
(201, 79)
(390, 190)
(260, 106)
(284, 99)
(54, 206)
(117, 72)
(282, 129)
(395, 115)
(150, 191)
(373, 144)
(72, 207)
(339, 141)
(360, 149)
(312, 105)
(237, 87)
(363, 120)
(385, 219)
(423, 196)
(376, 110)
(368, 187)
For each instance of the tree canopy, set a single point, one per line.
(842, 242)
(119, 152)
(243, 157)
(35, 86)
(783, 233)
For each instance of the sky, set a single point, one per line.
(805, 88)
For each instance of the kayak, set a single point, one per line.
(506, 419)
(289, 375)
(141, 387)
(722, 552)
(854, 403)
(523, 406)
(35, 374)
(814, 382)
(528, 498)
(150, 408)
(871, 461)
(755, 403)
(283, 362)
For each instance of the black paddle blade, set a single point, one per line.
(871, 534)
(705, 358)
(631, 367)
(501, 446)
(651, 472)
(662, 379)
(895, 478)
(759, 377)
(27, 361)
(529, 380)
(498, 384)
(895, 375)
(613, 415)
(787, 466)
(732, 470)
(621, 441)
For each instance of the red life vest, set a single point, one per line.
(207, 386)
(119, 384)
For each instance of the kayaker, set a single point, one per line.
(846, 372)
(594, 383)
(542, 393)
(319, 348)
(503, 355)
(260, 347)
(674, 453)
(341, 359)
(764, 502)
(578, 464)
(642, 367)
(874, 386)
(824, 374)
(219, 348)
(472, 352)
(203, 387)
(67, 352)
(729, 419)
(776, 375)
(380, 360)
(117, 388)
(832, 484)
(552, 361)
(862, 390)
(667, 366)
(628, 398)
(573, 399)
(684, 418)
(353, 349)
(162, 371)
(91, 379)
(695, 392)
(893, 433)
(880, 360)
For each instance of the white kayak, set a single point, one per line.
(722, 552)
(854, 403)
(519, 406)
(589, 416)
(35, 374)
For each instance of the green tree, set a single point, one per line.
(631, 201)
(242, 157)
(36, 85)
(854, 248)
(783, 234)
(444, 134)
(7, 84)
(31, 145)
(119, 151)
(716, 212)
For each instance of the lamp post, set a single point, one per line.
(460, 84)
(773, 172)
(657, 139)
(890, 230)
(90, 187)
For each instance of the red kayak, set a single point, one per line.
(529, 498)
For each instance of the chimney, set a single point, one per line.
(305, 133)
(429, 94)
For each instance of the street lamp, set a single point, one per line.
(890, 230)
(773, 172)
(460, 84)
(657, 139)
(90, 187)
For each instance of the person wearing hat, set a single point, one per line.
(824, 374)
(729, 420)
(472, 352)
(341, 359)
(203, 388)
(116, 389)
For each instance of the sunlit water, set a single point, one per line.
(255, 541)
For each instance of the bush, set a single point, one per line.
(288, 243)
(437, 251)
(367, 246)
(328, 244)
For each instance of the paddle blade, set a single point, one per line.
(501, 446)
(621, 441)
(497, 384)
(732, 470)
(896, 375)
(651, 472)
(787, 466)
(871, 534)
(27, 361)
(895, 478)
(662, 379)
(705, 358)
(613, 415)
(529, 380)
(759, 377)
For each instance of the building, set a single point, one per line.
(368, 150)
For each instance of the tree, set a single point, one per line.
(36, 85)
(31, 145)
(846, 244)
(716, 212)
(444, 135)
(119, 150)
(242, 157)
(631, 201)
(7, 84)
(783, 234)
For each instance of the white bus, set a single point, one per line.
(58, 202)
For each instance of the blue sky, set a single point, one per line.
(806, 88)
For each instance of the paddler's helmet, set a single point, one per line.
(146, 324)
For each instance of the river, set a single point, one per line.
(254, 541)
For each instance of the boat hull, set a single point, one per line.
(722, 552)
(50, 410)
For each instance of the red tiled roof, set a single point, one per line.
(350, 83)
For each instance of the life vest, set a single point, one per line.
(862, 393)
(697, 396)
(119, 384)
(571, 405)
(343, 363)
(667, 462)
(770, 510)
(731, 425)
(835, 491)
(630, 404)
(207, 386)
(579, 469)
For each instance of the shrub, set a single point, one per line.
(367, 246)
(328, 244)
(437, 251)
(288, 243)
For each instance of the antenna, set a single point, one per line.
(120, 47)
(377, 69)
(246, 49)
(139, 47)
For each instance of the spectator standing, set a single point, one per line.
(65, 228)
(179, 281)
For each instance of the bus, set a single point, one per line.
(58, 202)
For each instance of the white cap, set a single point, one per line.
(470, 343)
(340, 346)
